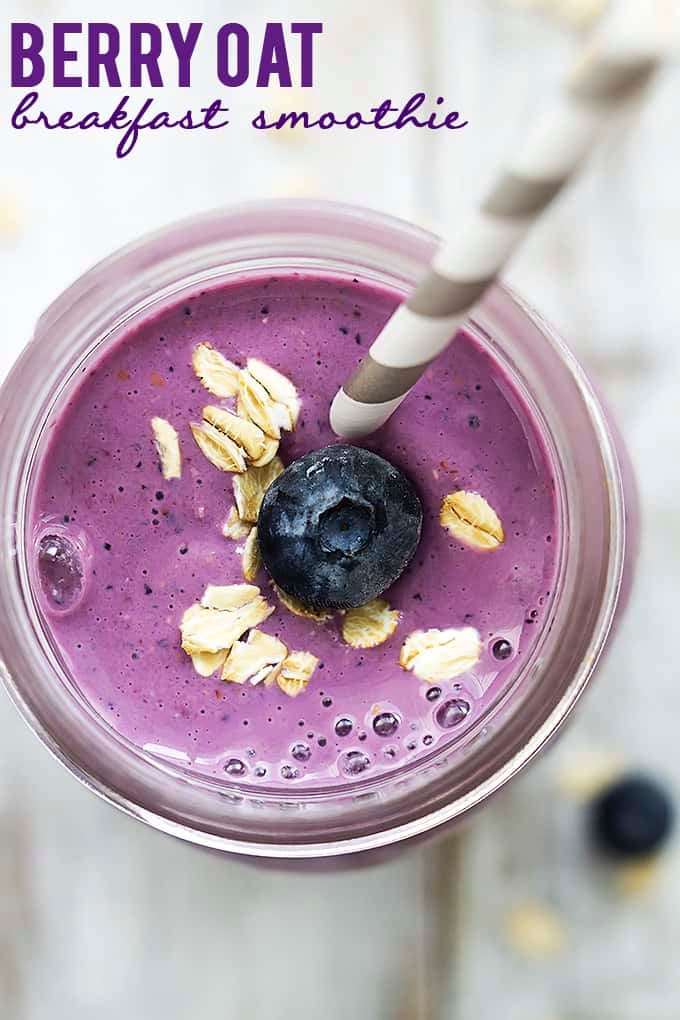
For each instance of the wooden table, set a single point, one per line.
(100, 918)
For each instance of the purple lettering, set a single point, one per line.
(160, 120)
(19, 117)
(354, 121)
(63, 56)
(141, 57)
(240, 74)
(102, 56)
(27, 43)
(184, 48)
(381, 112)
(131, 136)
(306, 31)
(406, 115)
(452, 119)
(119, 117)
(274, 59)
(89, 120)
(291, 120)
(213, 111)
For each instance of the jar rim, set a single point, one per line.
(427, 820)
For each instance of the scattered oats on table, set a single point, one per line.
(11, 215)
(534, 930)
(588, 774)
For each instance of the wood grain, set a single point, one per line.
(104, 919)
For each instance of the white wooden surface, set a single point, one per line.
(100, 918)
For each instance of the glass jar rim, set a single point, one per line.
(428, 820)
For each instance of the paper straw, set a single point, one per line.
(616, 65)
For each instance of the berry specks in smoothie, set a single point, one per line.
(132, 659)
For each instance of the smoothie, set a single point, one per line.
(122, 552)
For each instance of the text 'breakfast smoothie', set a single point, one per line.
(149, 567)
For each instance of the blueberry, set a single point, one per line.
(632, 817)
(338, 527)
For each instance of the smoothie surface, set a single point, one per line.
(152, 546)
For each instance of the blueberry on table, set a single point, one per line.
(338, 527)
(633, 817)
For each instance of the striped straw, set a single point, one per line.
(615, 67)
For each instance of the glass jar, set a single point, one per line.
(424, 796)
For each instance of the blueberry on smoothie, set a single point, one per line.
(633, 817)
(338, 527)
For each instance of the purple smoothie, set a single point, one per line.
(149, 547)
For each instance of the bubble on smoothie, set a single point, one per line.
(501, 649)
(452, 713)
(301, 752)
(289, 772)
(234, 767)
(354, 763)
(386, 724)
(343, 727)
(60, 567)
(433, 693)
